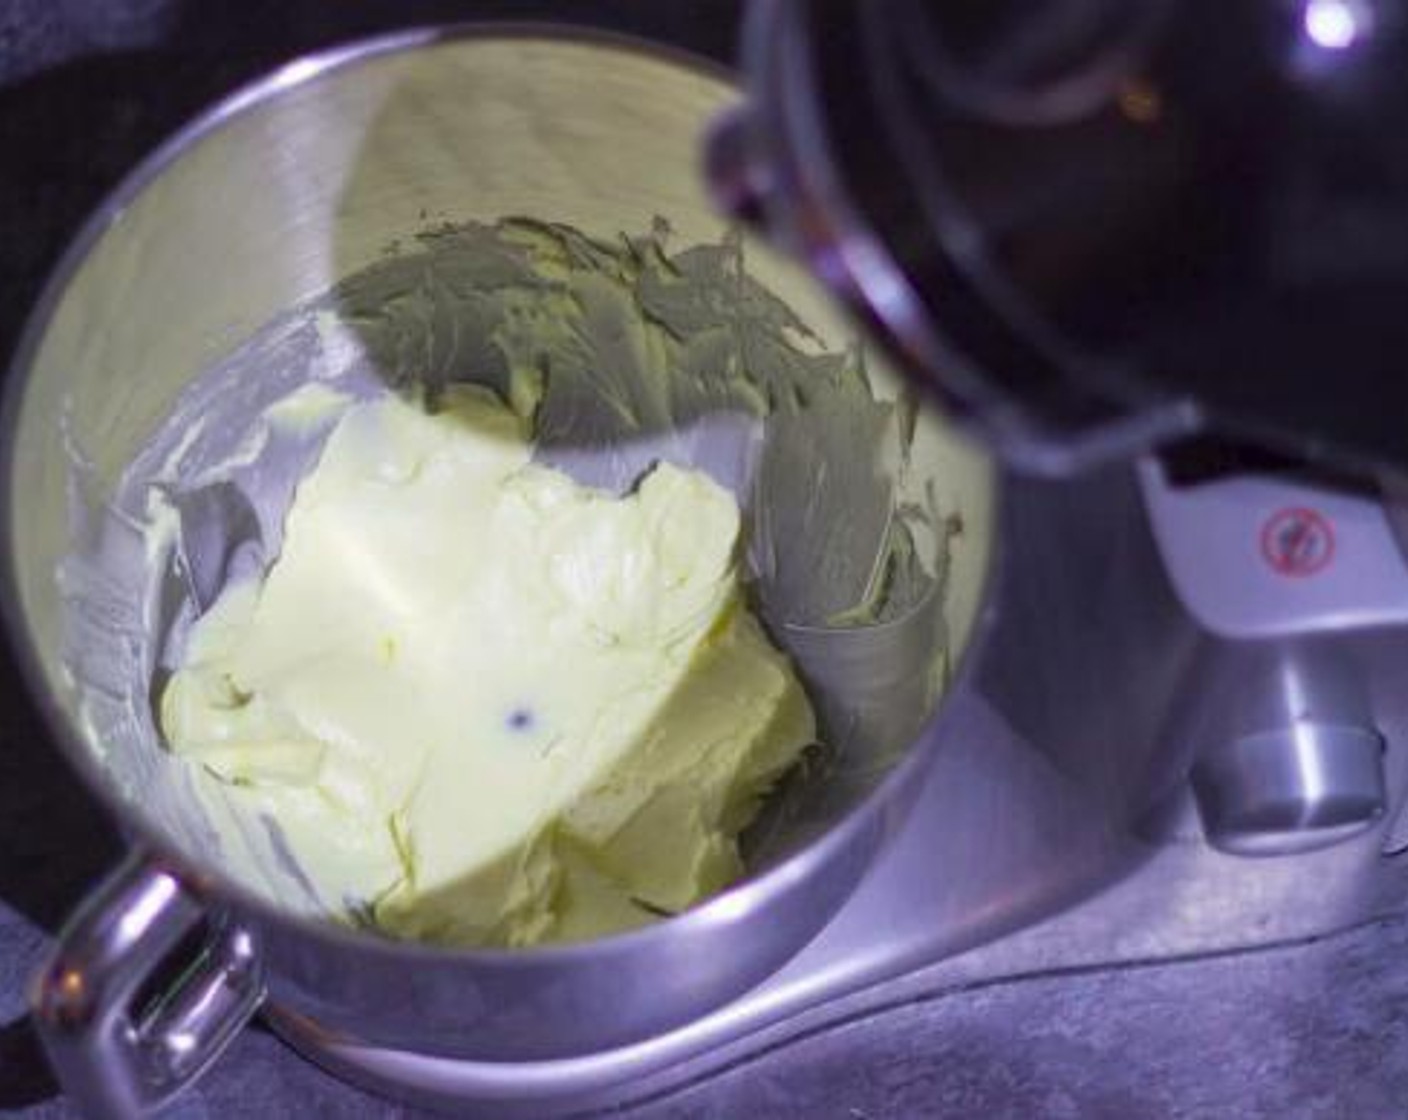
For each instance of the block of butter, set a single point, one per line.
(480, 703)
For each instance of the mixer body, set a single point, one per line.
(1179, 730)
(1089, 807)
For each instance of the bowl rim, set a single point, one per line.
(751, 894)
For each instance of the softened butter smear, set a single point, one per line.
(484, 704)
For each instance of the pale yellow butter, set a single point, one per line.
(485, 704)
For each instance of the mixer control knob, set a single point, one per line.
(1291, 789)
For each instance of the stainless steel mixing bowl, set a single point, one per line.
(267, 201)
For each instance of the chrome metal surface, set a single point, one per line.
(1292, 787)
(1058, 777)
(1289, 751)
(1034, 808)
(118, 1057)
(998, 839)
(1185, 901)
(1033, 804)
(262, 205)
(1302, 589)
(1077, 549)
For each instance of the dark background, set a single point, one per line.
(86, 89)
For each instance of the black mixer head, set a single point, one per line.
(1095, 226)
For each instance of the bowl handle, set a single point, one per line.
(125, 1023)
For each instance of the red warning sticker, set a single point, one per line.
(1297, 542)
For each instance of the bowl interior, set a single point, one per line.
(301, 233)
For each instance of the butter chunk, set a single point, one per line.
(481, 703)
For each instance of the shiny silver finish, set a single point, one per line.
(1300, 746)
(1292, 787)
(1289, 752)
(1182, 899)
(954, 876)
(117, 1057)
(1056, 794)
(1296, 586)
(285, 189)
(1058, 773)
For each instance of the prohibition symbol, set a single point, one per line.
(1297, 542)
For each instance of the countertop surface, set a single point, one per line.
(1312, 1030)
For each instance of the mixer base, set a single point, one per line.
(909, 933)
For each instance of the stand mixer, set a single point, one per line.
(1241, 788)
(1102, 231)
(1184, 733)
(1099, 231)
